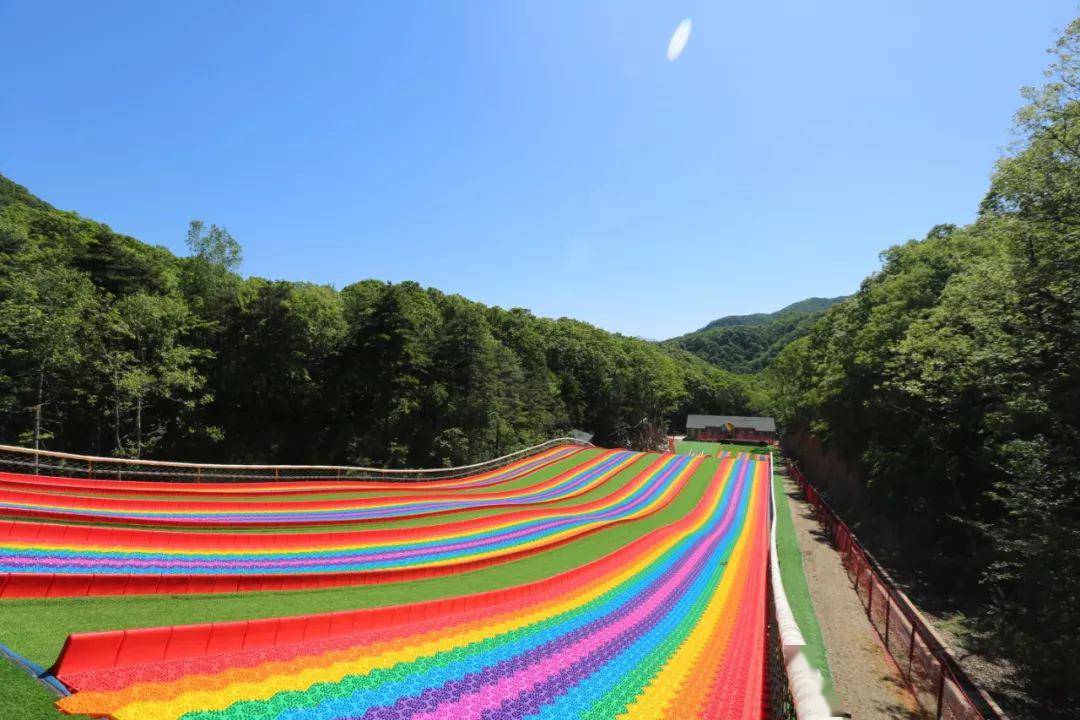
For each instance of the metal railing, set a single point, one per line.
(46, 462)
(940, 686)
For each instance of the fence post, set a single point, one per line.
(870, 597)
(911, 653)
(888, 612)
(941, 687)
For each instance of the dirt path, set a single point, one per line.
(868, 683)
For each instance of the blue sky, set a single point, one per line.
(535, 154)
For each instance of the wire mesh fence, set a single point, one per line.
(940, 686)
(777, 703)
(45, 462)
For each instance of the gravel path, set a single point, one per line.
(868, 683)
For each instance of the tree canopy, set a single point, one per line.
(109, 345)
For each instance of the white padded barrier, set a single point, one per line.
(805, 682)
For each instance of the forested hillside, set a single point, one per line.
(109, 345)
(748, 343)
(951, 381)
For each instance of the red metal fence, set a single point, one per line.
(941, 687)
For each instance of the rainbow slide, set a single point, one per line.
(670, 625)
(55, 560)
(389, 501)
(313, 486)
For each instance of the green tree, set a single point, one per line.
(151, 372)
(215, 247)
(466, 373)
(387, 358)
(44, 313)
(273, 372)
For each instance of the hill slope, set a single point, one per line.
(748, 343)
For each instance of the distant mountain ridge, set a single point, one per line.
(748, 343)
(812, 305)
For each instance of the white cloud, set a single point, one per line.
(678, 40)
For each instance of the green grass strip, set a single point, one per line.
(698, 447)
(796, 587)
(23, 697)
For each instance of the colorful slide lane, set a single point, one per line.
(32, 556)
(588, 474)
(671, 625)
(83, 486)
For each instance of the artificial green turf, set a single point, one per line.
(617, 481)
(23, 697)
(37, 628)
(796, 587)
(697, 447)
